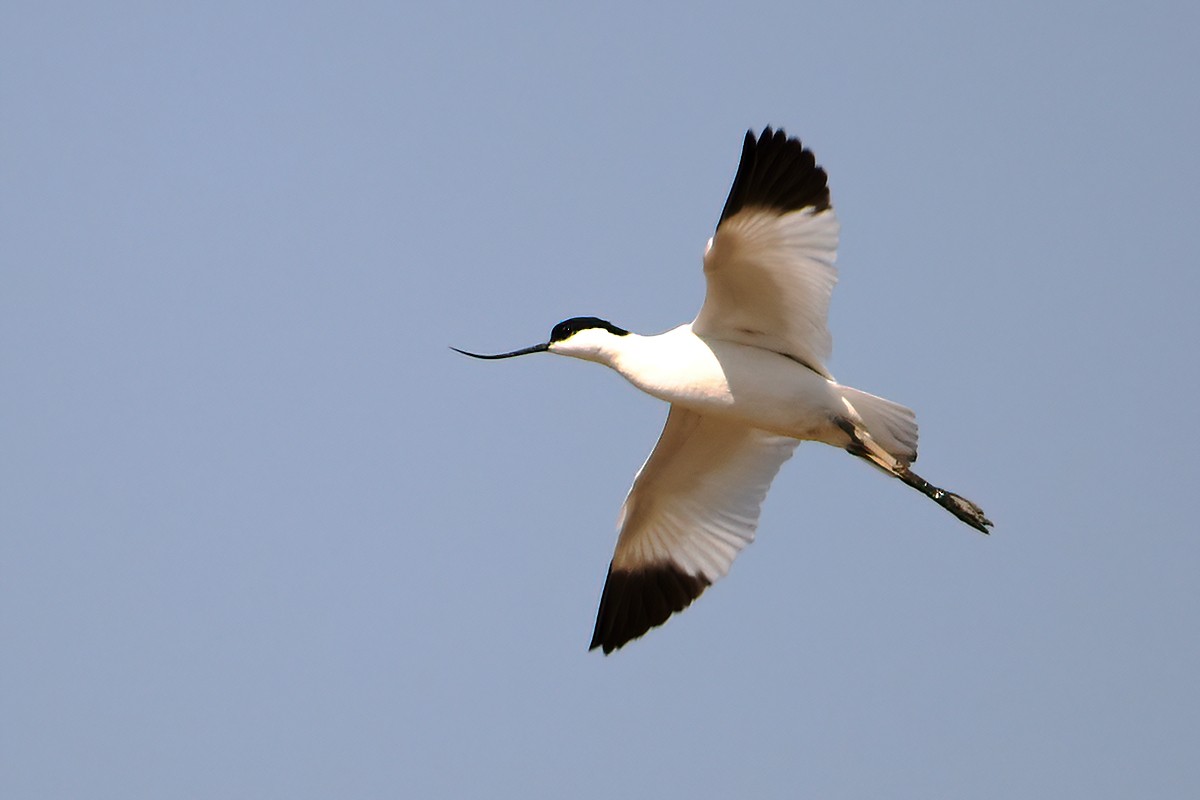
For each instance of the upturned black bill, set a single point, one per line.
(537, 348)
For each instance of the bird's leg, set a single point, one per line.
(864, 447)
(957, 505)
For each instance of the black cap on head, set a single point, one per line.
(569, 327)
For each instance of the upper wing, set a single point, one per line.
(693, 506)
(769, 268)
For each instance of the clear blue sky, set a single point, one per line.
(263, 535)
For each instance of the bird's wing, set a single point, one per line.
(693, 506)
(769, 268)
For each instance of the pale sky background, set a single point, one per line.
(265, 536)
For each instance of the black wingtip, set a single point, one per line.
(776, 172)
(634, 601)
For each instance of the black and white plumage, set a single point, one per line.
(747, 382)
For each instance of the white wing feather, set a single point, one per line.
(770, 277)
(695, 503)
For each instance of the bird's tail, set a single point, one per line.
(891, 425)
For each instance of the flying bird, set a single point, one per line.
(746, 382)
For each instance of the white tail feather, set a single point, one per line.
(891, 425)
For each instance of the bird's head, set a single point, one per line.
(589, 338)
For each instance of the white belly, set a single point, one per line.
(757, 387)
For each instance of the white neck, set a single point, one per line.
(596, 344)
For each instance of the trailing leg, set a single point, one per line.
(864, 447)
(957, 505)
